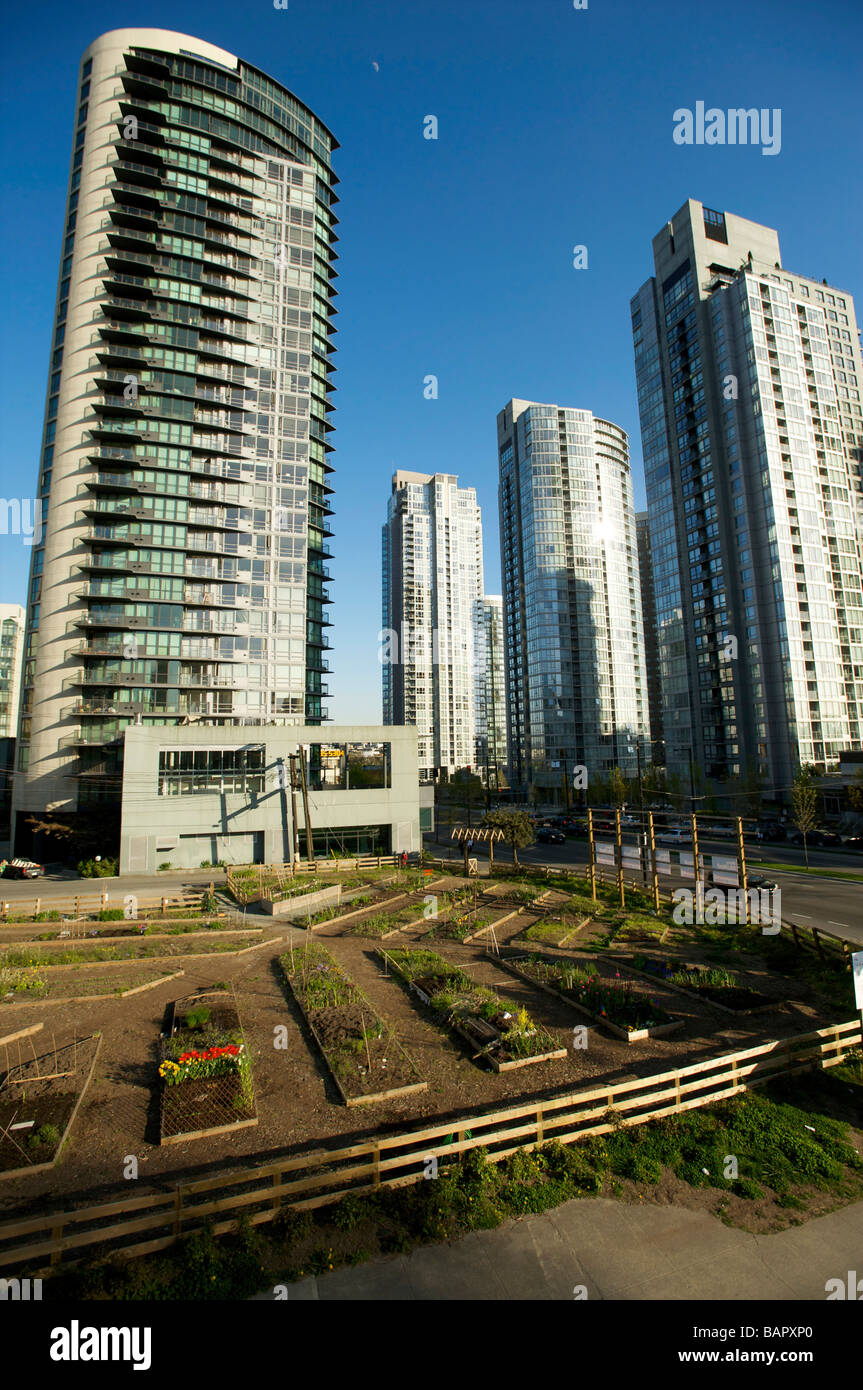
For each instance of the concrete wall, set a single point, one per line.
(184, 830)
(305, 904)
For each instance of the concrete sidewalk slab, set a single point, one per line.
(618, 1252)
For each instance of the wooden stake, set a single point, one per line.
(618, 849)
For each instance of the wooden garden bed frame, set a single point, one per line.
(89, 998)
(695, 994)
(43, 1167)
(637, 1035)
(212, 1130)
(555, 1055)
(413, 1087)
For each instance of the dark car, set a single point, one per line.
(578, 828)
(758, 881)
(853, 842)
(772, 831)
(23, 868)
(829, 837)
(547, 835)
(814, 838)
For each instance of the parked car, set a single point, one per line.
(772, 831)
(830, 838)
(578, 828)
(23, 868)
(814, 838)
(675, 837)
(547, 835)
(853, 842)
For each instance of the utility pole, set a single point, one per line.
(310, 844)
(691, 785)
(295, 833)
(642, 836)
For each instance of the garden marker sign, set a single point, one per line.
(857, 970)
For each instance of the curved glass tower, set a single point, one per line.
(181, 570)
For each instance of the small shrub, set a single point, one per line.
(46, 1137)
(350, 1212)
(748, 1188)
(290, 1226)
(166, 865)
(101, 868)
(111, 914)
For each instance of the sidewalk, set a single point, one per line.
(616, 1251)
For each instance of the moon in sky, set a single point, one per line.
(376, 66)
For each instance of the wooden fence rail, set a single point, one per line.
(73, 906)
(249, 881)
(315, 1179)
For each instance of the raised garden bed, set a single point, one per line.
(382, 924)
(365, 1059)
(69, 984)
(717, 987)
(125, 930)
(461, 927)
(553, 931)
(625, 1012)
(135, 948)
(205, 1073)
(499, 1030)
(39, 1099)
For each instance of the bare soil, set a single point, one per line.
(297, 1103)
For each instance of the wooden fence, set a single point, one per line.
(249, 881)
(155, 1220)
(71, 908)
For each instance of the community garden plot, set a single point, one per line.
(501, 1031)
(69, 984)
(40, 1094)
(366, 1060)
(205, 1073)
(716, 986)
(627, 1012)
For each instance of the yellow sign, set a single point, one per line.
(332, 752)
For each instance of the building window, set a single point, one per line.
(211, 771)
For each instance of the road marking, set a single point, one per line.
(836, 924)
(804, 914)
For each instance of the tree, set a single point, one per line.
(855, 792)
(467, 790)
(804, 805)
(617, 786)
(517, 829)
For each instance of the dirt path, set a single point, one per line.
(297, 1103)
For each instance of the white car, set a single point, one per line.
(675, 837)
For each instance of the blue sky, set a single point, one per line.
(555, 129)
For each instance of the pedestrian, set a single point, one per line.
(404, 858)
